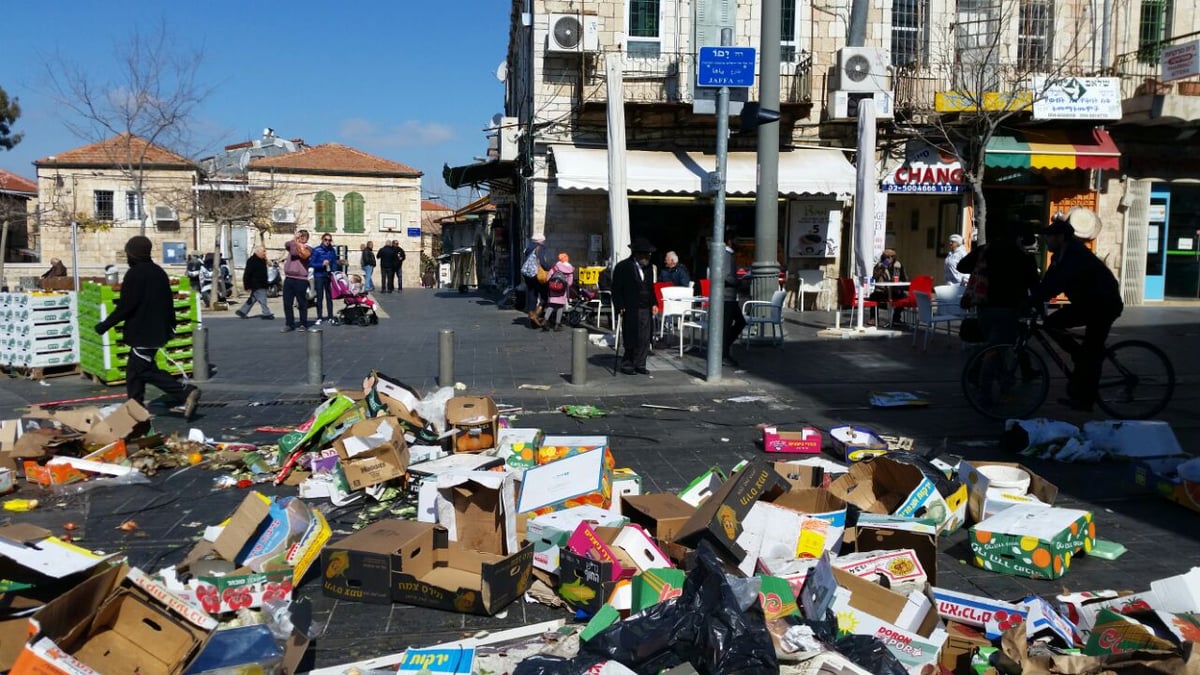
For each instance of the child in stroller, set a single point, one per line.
(360, 308)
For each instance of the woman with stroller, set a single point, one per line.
(562, 277)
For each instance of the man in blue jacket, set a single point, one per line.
(147, 307)
(323, 263)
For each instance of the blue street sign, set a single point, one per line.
(725, 67)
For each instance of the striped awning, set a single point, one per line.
(1054, 149)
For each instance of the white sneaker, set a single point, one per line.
(317, 323)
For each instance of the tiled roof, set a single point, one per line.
(430, 205)
(11, 182)
(335, 158)
(113, 151)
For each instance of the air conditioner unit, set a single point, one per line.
(843, 105)
(390, 222)
(280, 214)
(573, 33)
(165, 214)
(862, 69)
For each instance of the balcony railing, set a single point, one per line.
(1141, 72)
(671, 78)
(914, 87)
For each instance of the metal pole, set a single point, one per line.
(716, 247)
(75, 252)
(579, 340)
(316, 366)
(446, 358)
(200, 354)
(765, 270)
(3, 251)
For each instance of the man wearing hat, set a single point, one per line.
(1096, 303)
(633, 296)
(956, 254)
(146, 305)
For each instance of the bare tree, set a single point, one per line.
(999, 58)
(148, 104)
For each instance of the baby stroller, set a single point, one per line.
(360, 308)
(578, 311)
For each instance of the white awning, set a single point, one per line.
(813, 171)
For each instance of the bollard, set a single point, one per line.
(446, 358)
(316, 365)
(579, 340)
(200, 354)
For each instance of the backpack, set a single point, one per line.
(530, 267)
(557, 283)
(977, 285)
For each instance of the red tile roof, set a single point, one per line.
(430, 205)
(334, 158)
(114, 151)
(11, 182)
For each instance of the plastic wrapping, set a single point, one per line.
(869, 652)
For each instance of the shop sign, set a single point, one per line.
(815, 229)
(988, 101)
(926, 170)
(1077, 98)
(1180, 61)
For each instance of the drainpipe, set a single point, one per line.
(1105, 28)
(857, 36)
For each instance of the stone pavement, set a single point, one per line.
(259, 381)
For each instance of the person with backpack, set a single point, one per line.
(535, 271)
(558, 289)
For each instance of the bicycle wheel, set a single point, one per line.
(1006, 382)
(1136, 380)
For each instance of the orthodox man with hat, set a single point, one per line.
(633, 296)
(146, 306)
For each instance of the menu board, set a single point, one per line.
(814, 229)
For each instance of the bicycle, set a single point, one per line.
(1011, 380)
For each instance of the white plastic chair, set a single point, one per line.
(598, 304)
(811, 281)
(947, 299)
(927, 320)
(677, 302)
(694, 320)
(760, 314)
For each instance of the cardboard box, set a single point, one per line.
(597, 543)
(801, 476)
(265, 534)
(120, 621)
(1160, 475)
(797, 524)
(656, 585)
(719, 518)
(477, 511)
(626, 483)
(586, 584)
(438, 661)
(991, 616)
(703, 486)
(857, 443)
(868, 538)
(62, 474)
(577, 480)
(978, 504)
(518, 447)
(806, 441)
(549, 532)
(477, 420)
(661, 514)
(960, 646)
(905, 624)
(101, 426)
(555, 448)
(885, 486)
(414, 563)
(372, 451)
(1175, 594)
(1032, 541)
(1116, 633)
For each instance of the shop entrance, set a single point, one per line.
(685, 229)
(1181, 240)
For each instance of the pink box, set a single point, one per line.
(806, 441)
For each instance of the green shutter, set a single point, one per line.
(325, 210)
(352, 208)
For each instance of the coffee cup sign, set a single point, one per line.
(814, 229)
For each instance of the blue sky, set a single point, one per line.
(413, 82)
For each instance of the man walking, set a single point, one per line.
(323, 263)
(295, 282)
(387, 266)
(633, 296)
(254, 280)
(147, 307)
(735, 321)
(400, 256)
(368, 266)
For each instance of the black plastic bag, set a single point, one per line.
(706, 626)
(869, 653)
(542, 664)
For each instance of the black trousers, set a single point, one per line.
(637, 327)
(387, 279)
(735, 321)
(142, 369)
(295, 293)
(1086, 356)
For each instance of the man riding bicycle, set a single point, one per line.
(1095, 304)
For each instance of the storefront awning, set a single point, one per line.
(474, 174)
(801, 172)
(1054, 149)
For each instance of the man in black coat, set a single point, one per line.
(147, 307)
(386, 255)
(633, 296)
(254, 281)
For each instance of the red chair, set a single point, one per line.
(921, 283)
(848, 298)
(658, 299)
(705, 287)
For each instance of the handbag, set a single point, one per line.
(542, 274)
(529, 268)
(969, 330)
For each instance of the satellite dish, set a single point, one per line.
(502, 71)
(497, 120)
(1085, 222)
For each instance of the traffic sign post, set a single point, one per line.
(726, 67)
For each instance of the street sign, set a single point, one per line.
(1181, 61)
(725, 67)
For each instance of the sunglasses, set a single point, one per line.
(326, 239)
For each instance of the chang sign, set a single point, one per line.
(925, 170)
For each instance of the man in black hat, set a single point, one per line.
(1096, 303)
(633, 296)
(146, 305)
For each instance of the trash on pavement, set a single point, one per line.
(896, 399)
(805, 441)
(476, 421)
(995, 486)
(1032, 541)
(857, 443)
(584, 478)
(1174, 478)
(719, 518)
(583, 412)
(550, 532)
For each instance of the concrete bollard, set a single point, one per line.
(446, 358)
(200, 354)
(579, 342)
(316, 360)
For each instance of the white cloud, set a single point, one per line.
(412, 133)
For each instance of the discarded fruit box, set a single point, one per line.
(477, 420)
(1032, 541)
(518, 447)
(885, 486)
(372, 451)
(270, 534)
(1161, 475)
(800, 523)
(857, 443)
(984, 500)
(415, 563)
(46, 474)
(550, 532)
(555, 448)
(719, 518)
(659, 513)
(585, 478)
(656, 585)
(477, 510)
(806, 441)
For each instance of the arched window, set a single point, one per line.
(352, 213)
(325, 208)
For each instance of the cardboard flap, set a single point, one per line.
(478, 510)
(23, 533)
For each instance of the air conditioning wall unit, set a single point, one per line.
(576, 33)
(862, 69)
(281, 214)
(390, 222)
(843, 105)
(165, 214)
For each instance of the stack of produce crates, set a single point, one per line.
(38, 332)
(103, 357)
